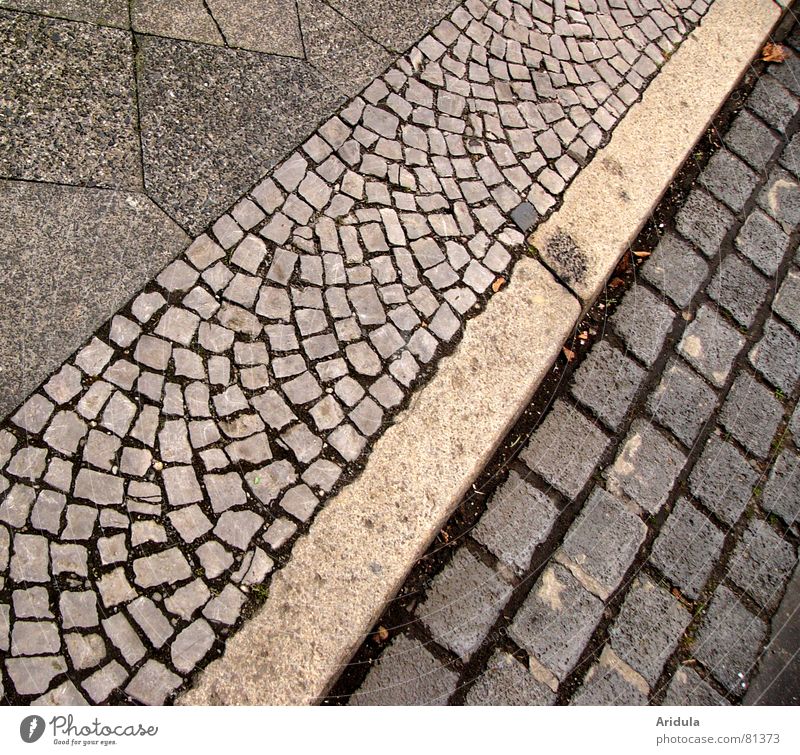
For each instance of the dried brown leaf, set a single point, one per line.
(774, 53)
(499, 282)
(569, 354)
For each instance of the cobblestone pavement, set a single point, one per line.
(127, 125)
(153, 482)
(646, 532)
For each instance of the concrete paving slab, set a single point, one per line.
(180, 19)
(69, 105)
(53, 293)
(213, 120)
(394, 25)
(102, 12)
(261, 25)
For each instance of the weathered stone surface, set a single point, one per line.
(646, 468)
(507, 682)
(519, 517)
(762, 563)
(751, 415)
(723, 480)
(648, 628)
(603, 519)
(168, 566)
(407, 674)
(565, 449)
(729, 640)
(192, 645)
(153, 684)
(710, 345)
(462, 603)
(556, 620)
(607, 383)
(682, 401)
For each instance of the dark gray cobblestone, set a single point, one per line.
(249, 378)
(656, 582)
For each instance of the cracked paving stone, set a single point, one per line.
(192, 645)
(168, 566)
(153, 684)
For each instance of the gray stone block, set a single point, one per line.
(710, 345)
(749, 138)
(762, 563)
(602, 542)
(608, 683)
(763, 242)
(643, 322)
(780, 198)
(607, 383)
(506, 681)
(687, 548)
(682, 401)
(565, 449)
(406, 674)
(772, 102)
(781, 494)
(777, 356)
(704, 221)
(646, 468)
(556, 620)
(787, 300)
(676, 270)
(648, 628)
(739, 288)
(751, 414)
(723, 480)
(463, 603)
(729, 641)
(729, 180)
(518, 518)
(687, 687)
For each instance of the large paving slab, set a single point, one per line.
(69, 105)
(213, 120)
(52, 281)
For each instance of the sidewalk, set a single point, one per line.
(157, 487)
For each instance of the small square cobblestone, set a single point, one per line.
(710, 345)
(565, 449)
(723, 480)
(556, 620)
(729, 641)
(751, 414)
(607, 383)
(687, 548)
(463, 603)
